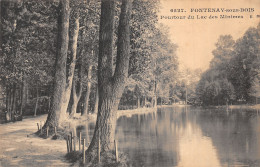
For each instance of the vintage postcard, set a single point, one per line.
(142, 83)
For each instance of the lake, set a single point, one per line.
(189, 137)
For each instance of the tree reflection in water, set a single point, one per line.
(187, 136)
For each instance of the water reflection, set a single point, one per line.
(236, 136)
(183, 137)
(87, 131)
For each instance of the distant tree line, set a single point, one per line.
(234, 73)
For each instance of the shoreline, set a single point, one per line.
(23, 149)
(131, 112)
(236, 107)
(245, 106)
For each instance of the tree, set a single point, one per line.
(28, 48)
(185, 85)
(71, 67)
(244, 67)
(142, 28)
(223, 52)
(214, 90)
(163, 64)
(88, 49)
(110, 86)
(153, 60)
(9, 58)
(86, 99)
(78, 8)
(72, 81)
(233, 71)
(53, 119)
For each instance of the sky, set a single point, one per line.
(196, 38)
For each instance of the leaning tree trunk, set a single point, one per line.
(86, 100)
(110, 86)
(53, 119)
(76, 96)
(37, 99)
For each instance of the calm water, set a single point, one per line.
(189, 137)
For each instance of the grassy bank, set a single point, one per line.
(245, 106)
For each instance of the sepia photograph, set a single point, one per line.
(130, 83)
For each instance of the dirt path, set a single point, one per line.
(16, 149)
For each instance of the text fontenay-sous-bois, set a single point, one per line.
(223, 13)
(213, 10)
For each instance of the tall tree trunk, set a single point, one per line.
(96, 102)
(86, 100)
(138, 102)
(49, 104)
(1, 25)
(36, 103)
(67, 93)
(75, 102)
(14, 102)
(26, 92)
(145, 101)
(53, 119)
(76, 96)
(186, 93)
(23, 96)
(155, 95)
(8, 103)
(132, 103)
(155, 101)
(11, 103)
(110, 86)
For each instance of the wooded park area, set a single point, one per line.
(67, 58)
